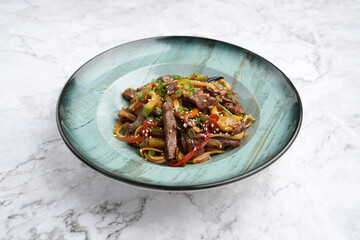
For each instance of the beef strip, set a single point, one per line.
(234, 106)
(224, 142)
(170, 131)
(128, 94)
(228, 102)
(238, 129)
(203, 101)
(139, 121)
(165, 78)
(171, 89)
(140, 88)
(189, 144)
(216, 92)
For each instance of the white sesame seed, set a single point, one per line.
(185, 125)
(143, 131)
(212, 125)
(194, 148)
(170, 130)
(204, 100)
(131, 95)
(220, 146)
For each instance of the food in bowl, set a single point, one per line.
(176, 120)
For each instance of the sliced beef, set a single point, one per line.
(139, 121)
(170, 131)
(216, 92)
(189, 144)
(223, 142)
(165, 78)
(238, 129)
(128, 94)
(233, 104)
(203, 101)
(171, 89)
(235, 108)
(140, 88)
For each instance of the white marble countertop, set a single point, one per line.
(312, 192)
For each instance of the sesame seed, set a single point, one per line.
(131, 95)
(220, 146)
(185, 125)
(204, 100)
(194, 148)
(143, 131)
(170, 130)
(212, 125)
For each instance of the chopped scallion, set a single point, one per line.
(226, 110)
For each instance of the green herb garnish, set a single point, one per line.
(219, 98)
(225, 109)
(179, 91)
(217, 83)
(233, 99)
(175, 76)
(253, 119)
(140, 96)
(151, 153)
(158, 111)
(191, 133)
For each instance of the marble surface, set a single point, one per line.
(312, 192)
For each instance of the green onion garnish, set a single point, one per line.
(191, 133)
(158, 111)
(179, 91)
(225, 109)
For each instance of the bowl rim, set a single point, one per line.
(179, 188)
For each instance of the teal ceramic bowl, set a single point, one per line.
(88, 105)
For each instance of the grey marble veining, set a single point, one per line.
(310, 193)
